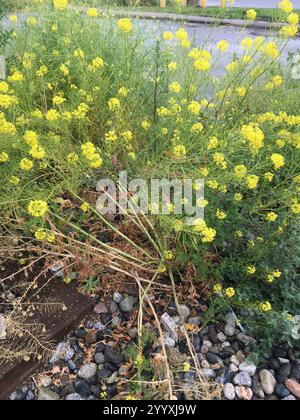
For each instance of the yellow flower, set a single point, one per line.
(42, 71)
(14, 180)
(60, 4)
(64, 70)
(213, 143)
(197, 128)
(172, 66)
(239, 234)
(202, 202)
(174, 87)
(111, 136)
(125, 25)
(40, 234)
(289, 30)
(26, 164)
(286, 6)
(254, 135)
(96, 161)
(97, 63)
(202, 64)
(114, 104)
(269, 176)
(17, 76)
(266, 306)
(179, 151)
(213, 184)
(293, 19)
(223, 46)
(252, 181)
(208, 235)
(4, 157)
(272, 216)
(92, 12)
(251, 14)
(232, 67)
(238, 197)
(13, 18)
(51, 238)
(241, 91)
(79, 53)
(4, 88)
(31, 21)
(58, 100)
(186, 367)
(194, 107)
(247, 43)
(277, 274)
(271, 50)
(278, 161)
(169, 255)
(37, 152)
(295, 207)
(168, 36)
(52, 115)
(240, 171)
(38, 208)
(181, 34)
(72, 158)
(217, 288)
(123, 91)
(85, 207)
(251, 270)
(229, 292)
(220, 215)
(145, 125)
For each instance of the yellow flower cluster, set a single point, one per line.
(90, 152)
(125, 25)
(38, 208)
(60, 4)
(208, 234)
(254, 135)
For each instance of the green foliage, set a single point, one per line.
(90, 285)
(84, 100)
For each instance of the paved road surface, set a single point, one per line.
(208, 36)
(254, 3)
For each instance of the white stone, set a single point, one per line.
(184, 311)
(225, 344)
(244, 393)
(268, 382)
(234, 360)
(248, 367)
(233, 368)
(88, 371)
(170, 326)
(169, 342)
(229, 330)
(221, 337)
(243, 379)
(231, 319)
(229, 391)
(2, 328)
